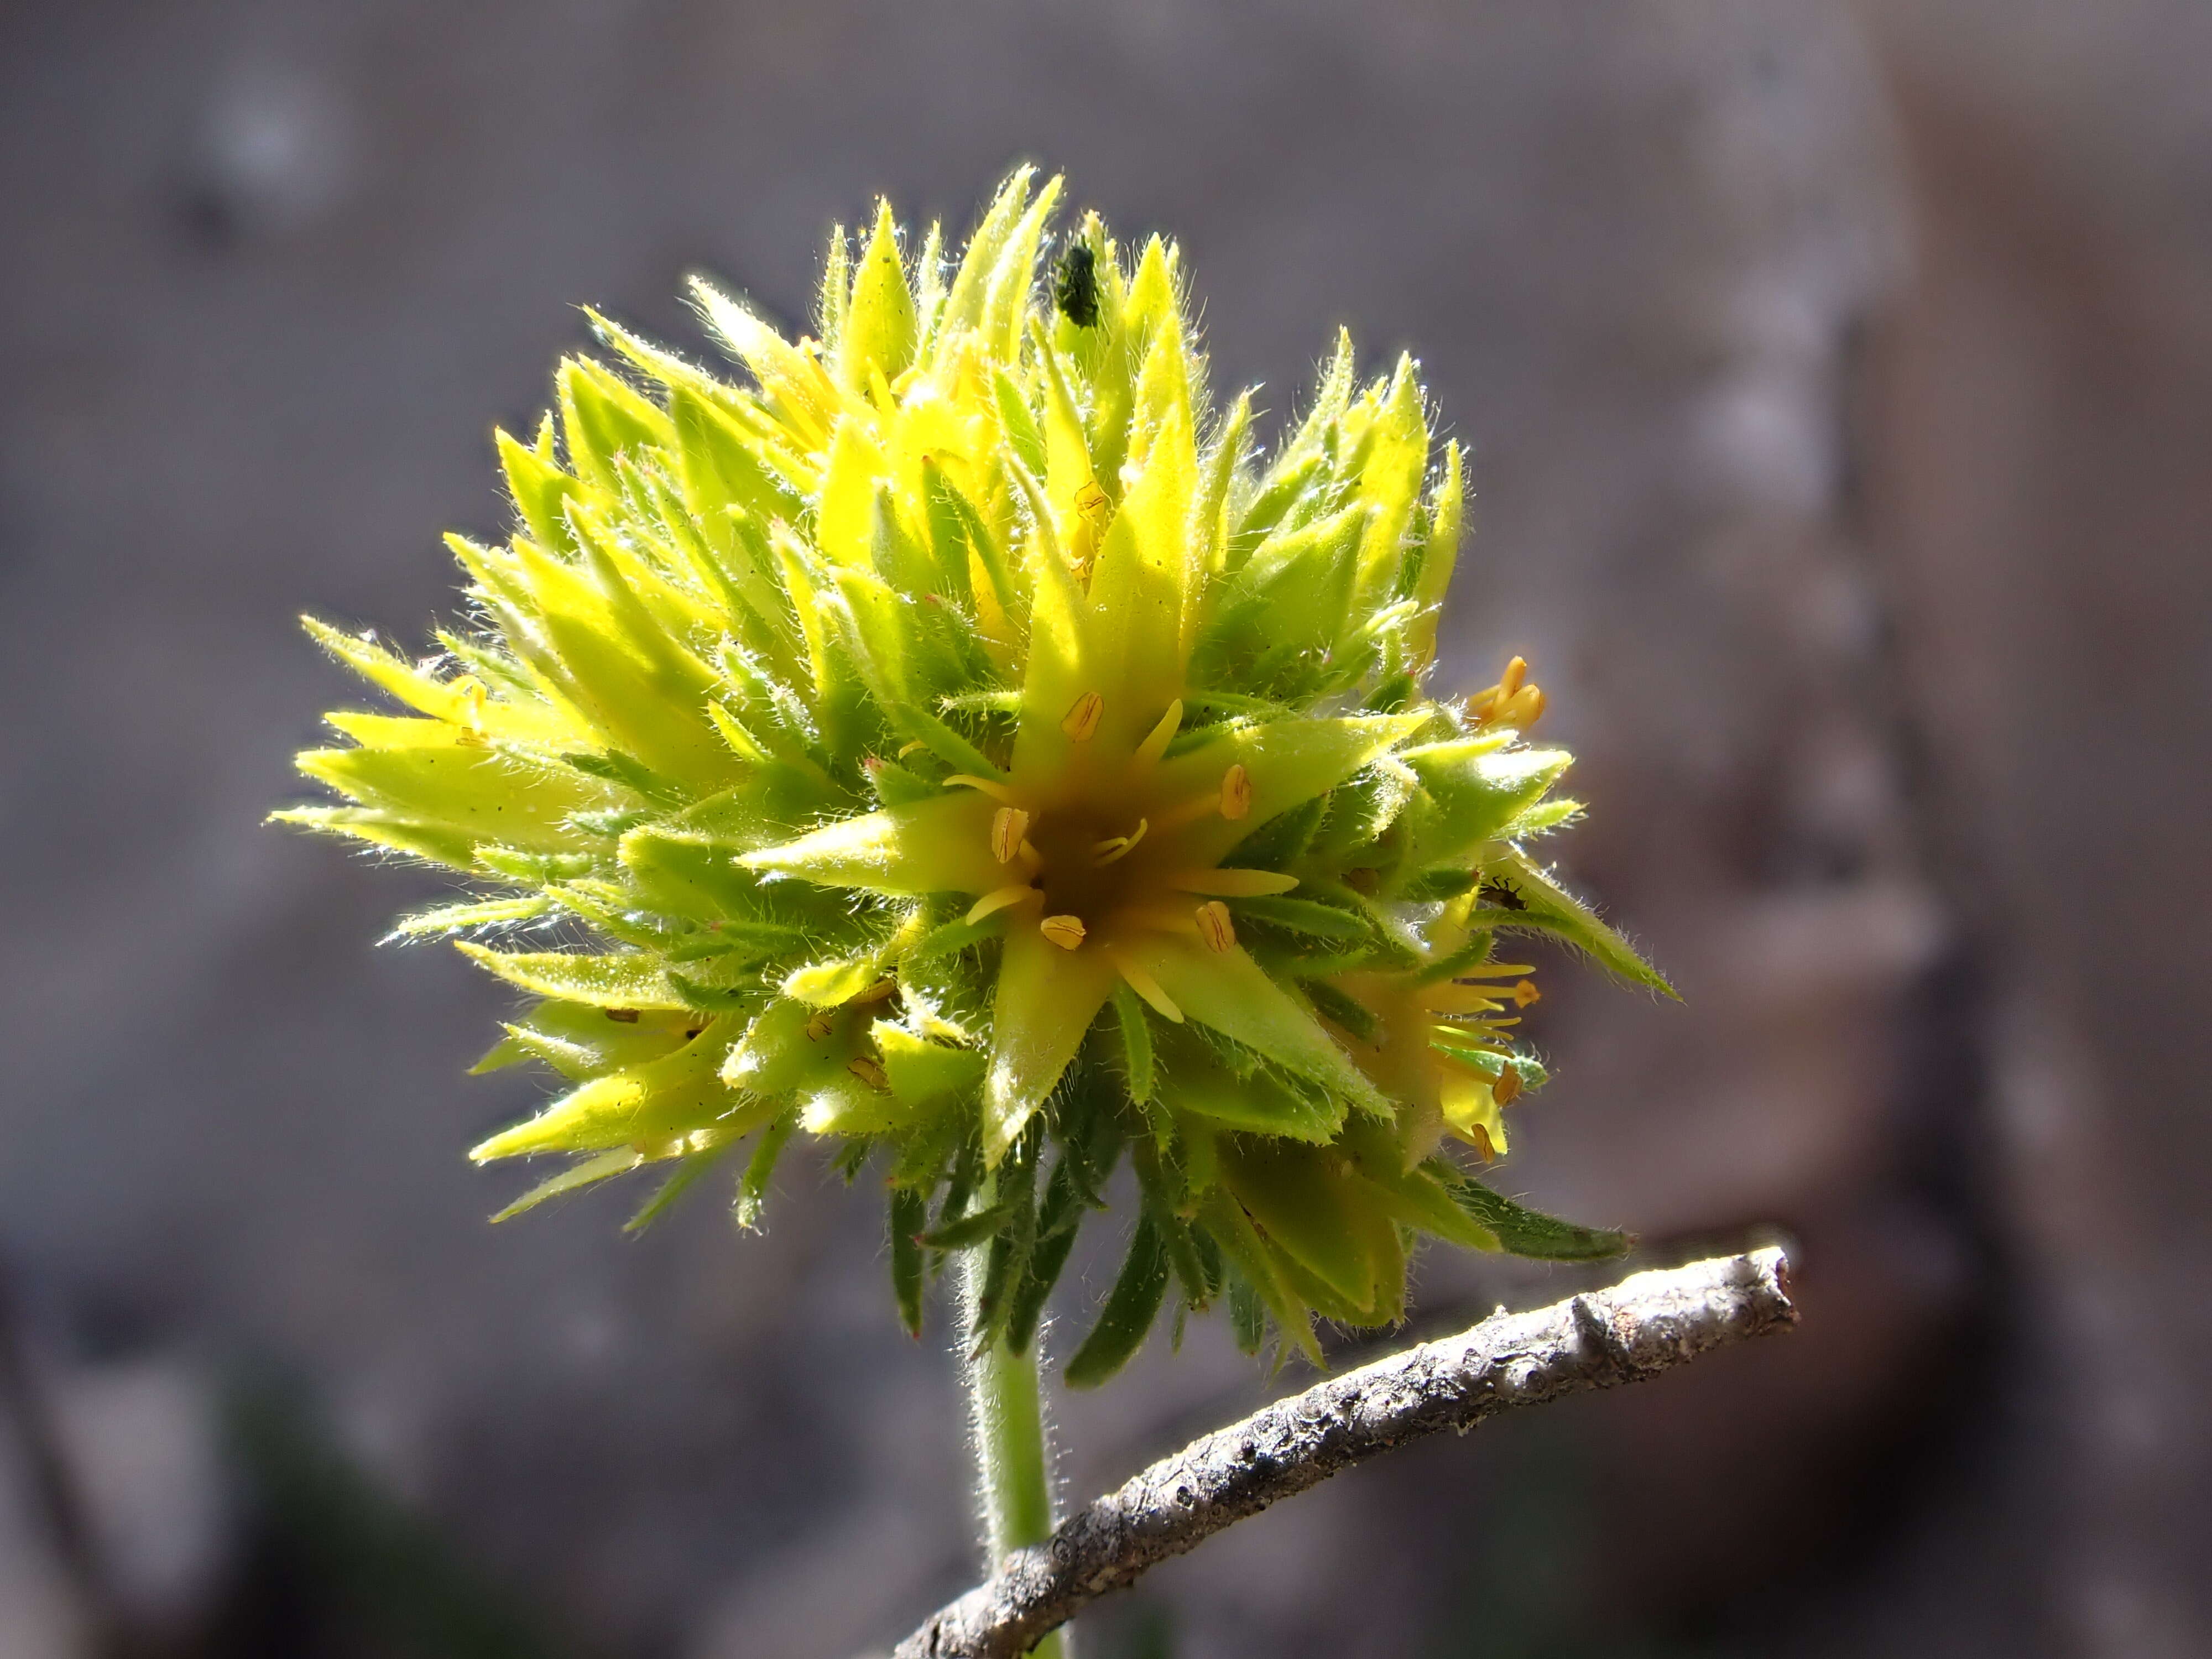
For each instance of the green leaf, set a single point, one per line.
(1248, 1316)
(1345, 1011)
(687, 1174)
(1390, 482)
(625, 980)
(1230, 993)
(909, 1214)
(1020, 425)
(602, 418)
(926, 1075)
(1130, 1309)
(938, 846)
(542, 491)
(970, 1230)
(1304, 917)
(1438, 558)
(878, 330)
(584, 1172)
(1299, 1201)
(1129, 1017)
(641, 1105)
(1191, 1079)
(580, 1040)
(475, 913)
(760, 1170)
(1546, 906)
(1470, 791)
(1527, 1232)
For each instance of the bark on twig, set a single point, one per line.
(1638, 1329)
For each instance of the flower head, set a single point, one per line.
(958, 742)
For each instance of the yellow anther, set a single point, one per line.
(869, 1071)
(1105, 852)
(1082, 718)
(1236, 794)
(1215, 927)
(1507, 1086)
(1526, 993)
(1479, 1138)
(819, 1025)
(1512, 701)
(992, 903)
(1008, 825)
(882, 991)
(1065, 932)
(1094, 504)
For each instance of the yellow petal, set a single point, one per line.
(937, 846)
(1232, 883)
(1047, 1000)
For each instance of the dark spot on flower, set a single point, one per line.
(1075, 286)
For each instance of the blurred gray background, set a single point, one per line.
(1839, 384)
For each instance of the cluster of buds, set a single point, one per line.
(960, 744)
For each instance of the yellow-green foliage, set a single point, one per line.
(960, 743)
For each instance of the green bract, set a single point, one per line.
(960, 744)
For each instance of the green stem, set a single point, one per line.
(1013, 1465)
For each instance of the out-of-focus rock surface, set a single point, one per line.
(1836, 382)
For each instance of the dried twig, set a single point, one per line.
(1639, 1328)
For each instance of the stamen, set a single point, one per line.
(1526, 993)
(1236, 794)
(1156, 743)
(993, 903)
(1187, 811)
(1104, 852)
(1008, 825)
(881, 991)
(1479, 1138)
(1464, 999)
(1149, 988)
(995, 790)
(1507, 1088)
(1094, 504)
(1065, 932)
(1082, 719)
(819, 1025)
(870, 1072)
(1215, 927)
(1516, 671)
(1232, 883)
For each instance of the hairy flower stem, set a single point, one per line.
(1013, 1469)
